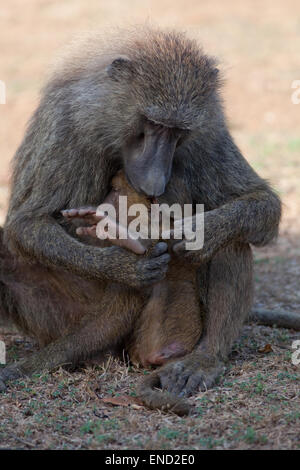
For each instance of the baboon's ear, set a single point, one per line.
(215, 73)
(120, 68)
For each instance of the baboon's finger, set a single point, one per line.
(158, 262)
(159, 249)
(179, 247)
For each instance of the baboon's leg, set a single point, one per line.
(96, 333)
(225, 287)
(229, 299)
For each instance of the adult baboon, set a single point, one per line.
(148, 102)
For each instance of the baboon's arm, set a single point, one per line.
(239, 206)
(47, 242)
(59, 165)
(253, 218)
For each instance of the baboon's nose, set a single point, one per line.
(153, 186)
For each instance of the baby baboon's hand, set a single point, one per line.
(196, 371)
(88, 214)
(136, 270)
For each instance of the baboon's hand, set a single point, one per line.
(196, 371)
(136, 270)
(215, 237)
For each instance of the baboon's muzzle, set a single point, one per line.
(150, 169)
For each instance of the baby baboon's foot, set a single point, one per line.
(196, 371)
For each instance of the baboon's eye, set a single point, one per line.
(180, 141)
(182, 138)
(141, 136)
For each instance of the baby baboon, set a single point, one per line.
(146, 101)
(170, 324)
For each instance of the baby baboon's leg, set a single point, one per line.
(96, 333)
(88, 214)
(169, 326)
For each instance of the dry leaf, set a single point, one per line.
(266, 349)
(124, 400)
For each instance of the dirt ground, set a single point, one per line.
(256, 403)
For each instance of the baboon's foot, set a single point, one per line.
(197, 371)
(158, 400)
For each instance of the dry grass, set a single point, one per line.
(256, 404)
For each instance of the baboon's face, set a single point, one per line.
(158, 100)
(148, 157)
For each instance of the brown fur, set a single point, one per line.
(170, 324)
(148, 103)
